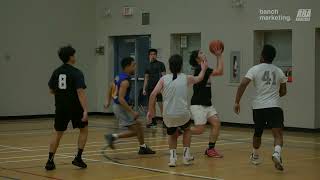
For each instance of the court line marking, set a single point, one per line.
(289, 140)
(224, 168)
(7, 177)
(94, 142)
(154, 170)
(92, 154)
(113, 151)
(12, 147)
(45, 148)
(30, 173)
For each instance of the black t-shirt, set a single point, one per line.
(202, 90)
(154, 70)
(65, 81)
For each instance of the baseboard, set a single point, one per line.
(227, 124)
(293, 129)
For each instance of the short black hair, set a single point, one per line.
(193, 58)
(175, 65)
(65, 53)
(126, 62)
(152, 50)
(268, 53)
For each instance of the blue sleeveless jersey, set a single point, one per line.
(121, 77)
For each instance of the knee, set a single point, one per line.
(258, 133)
(216, 124)
(197, 129)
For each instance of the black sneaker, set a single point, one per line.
(146, 150)
(79, 162)
(110, 139)
(164, 126)
(152, 125)
(50, 165)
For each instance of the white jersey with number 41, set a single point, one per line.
(266, 79)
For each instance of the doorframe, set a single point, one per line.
(317, 78)
(112, 57)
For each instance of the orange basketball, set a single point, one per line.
(216, 44)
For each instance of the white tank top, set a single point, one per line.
(175, 100)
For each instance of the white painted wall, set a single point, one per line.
(31, 33)
(216, 19)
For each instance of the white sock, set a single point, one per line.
(255, 151)
(116, 136)
(186, 152)
(277, 149)
(173, 153)
(143, 145)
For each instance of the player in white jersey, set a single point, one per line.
(270, 84)
(176, 113)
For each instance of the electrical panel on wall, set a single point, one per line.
(235, 67)
(127, 11)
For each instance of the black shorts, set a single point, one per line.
(158, 98)
(172, 130)
(63, 116)
(270, 117)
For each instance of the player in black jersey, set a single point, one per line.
(67, 85)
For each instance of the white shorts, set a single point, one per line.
(200, 114)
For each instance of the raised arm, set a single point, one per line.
(195, 79)
(218, 71)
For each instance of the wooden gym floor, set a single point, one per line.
(24, 150)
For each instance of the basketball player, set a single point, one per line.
(176, 114)
(270, 84)
(67, 85)
(154, 71)
(202, 109)
(124, 113)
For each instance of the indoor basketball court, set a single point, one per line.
(149, 89)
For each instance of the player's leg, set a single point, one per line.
(276, 122)
(214, 134)
(259, 124)
(186, 144)
(54, 143)
(143, 149)
(200, 119)
(172, 141)
(60, 125)
(160, 103)
(82, 138)
(125, 120)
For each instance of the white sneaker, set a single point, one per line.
(172, 162)
(276, 158)
(255, 159)
(187, 160)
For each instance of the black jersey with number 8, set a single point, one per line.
(64, 82)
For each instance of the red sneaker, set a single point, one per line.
(213, 153)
